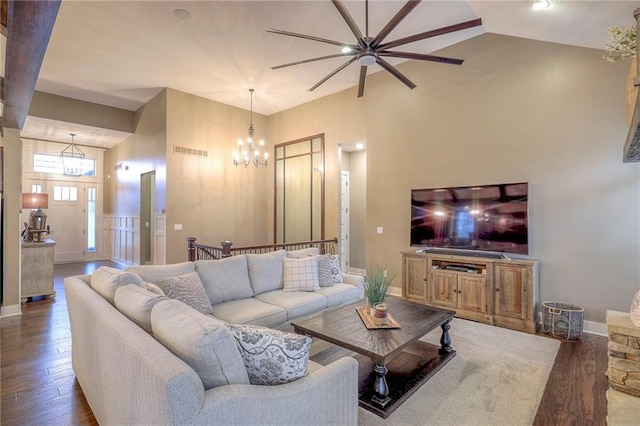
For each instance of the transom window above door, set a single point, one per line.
(52, 164)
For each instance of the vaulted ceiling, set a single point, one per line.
(122, 53)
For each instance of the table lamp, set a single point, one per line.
(36, 202)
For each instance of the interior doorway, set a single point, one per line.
(147, 203)
(344, 220)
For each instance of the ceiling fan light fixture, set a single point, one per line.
(346, 50)
(541, 5)
(367, 59)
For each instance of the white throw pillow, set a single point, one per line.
(188, 289)
(203, 342)
(329, 270)
(106, 280)
(136, 304)
(301, 274)
(272, 357)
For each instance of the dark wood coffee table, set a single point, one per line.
(393, 362)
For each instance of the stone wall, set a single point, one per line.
(624, 353)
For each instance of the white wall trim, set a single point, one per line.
(597, 328)
(10, 311)
(122, 238)
(357, 271)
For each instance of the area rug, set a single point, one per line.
(497, 377)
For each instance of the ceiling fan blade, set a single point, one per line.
(349, 20)
(421, 57)
(432, 33)
(304, 61)
(363, 78)
(332, 73)
(402, 13)
(394, 72)
(308, 37)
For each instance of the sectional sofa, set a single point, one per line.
(125, 327)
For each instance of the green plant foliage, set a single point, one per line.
(376, 285)
(622, 43)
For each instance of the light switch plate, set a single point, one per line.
(380, 230)
(177, 227)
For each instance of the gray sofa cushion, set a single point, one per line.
(250, 311)
(105, 280)
(311, 251)
(265, 271)
(136, 303)
(340, 293)
(203, 342)
(296, 303)
(225, 279)
(188, 289)
(272, 357)
(156, 273)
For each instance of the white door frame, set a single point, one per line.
(344, 220)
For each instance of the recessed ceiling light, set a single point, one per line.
(359, 145)
(541, 5)
(181, 14)
(346, 50)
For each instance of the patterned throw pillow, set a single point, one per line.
(329, 270)
(300, 274)
(188, 289)
(272, 357)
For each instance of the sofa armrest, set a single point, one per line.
(356, 280)
(326, 396)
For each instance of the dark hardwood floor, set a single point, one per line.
(38, 385)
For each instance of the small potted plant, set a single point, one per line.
(377, 284)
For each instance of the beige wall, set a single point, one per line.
(341, 118)
(143, 152)
(517, 110)
(211, 198)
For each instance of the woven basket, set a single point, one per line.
(562, 320)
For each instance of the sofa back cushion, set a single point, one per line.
(189, 290)
(105, 280)
(225, 279)
(156, 273)
(265, 271)
(201, 341)
(310, 251)
(136, 304)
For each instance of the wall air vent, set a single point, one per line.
(190, 151)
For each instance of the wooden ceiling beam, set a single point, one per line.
(29, 27)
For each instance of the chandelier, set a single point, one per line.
(249, 152)
(72, 157)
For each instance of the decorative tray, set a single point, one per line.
(366, 318)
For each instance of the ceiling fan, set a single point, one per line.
(371, 50)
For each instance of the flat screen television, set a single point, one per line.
(487, 218)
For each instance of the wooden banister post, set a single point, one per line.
(226, 248)
(191, 249)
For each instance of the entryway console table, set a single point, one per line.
(493, 291)
(37, 269)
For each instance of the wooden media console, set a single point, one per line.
(493, 291)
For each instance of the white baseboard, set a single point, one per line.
(10, 311)
(395, 291)
(597, 328)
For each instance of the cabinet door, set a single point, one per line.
(443, 289)
(415, 284)
(472, 293)
(510, 283)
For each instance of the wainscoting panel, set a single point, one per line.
(159, 239)
(122, 238)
